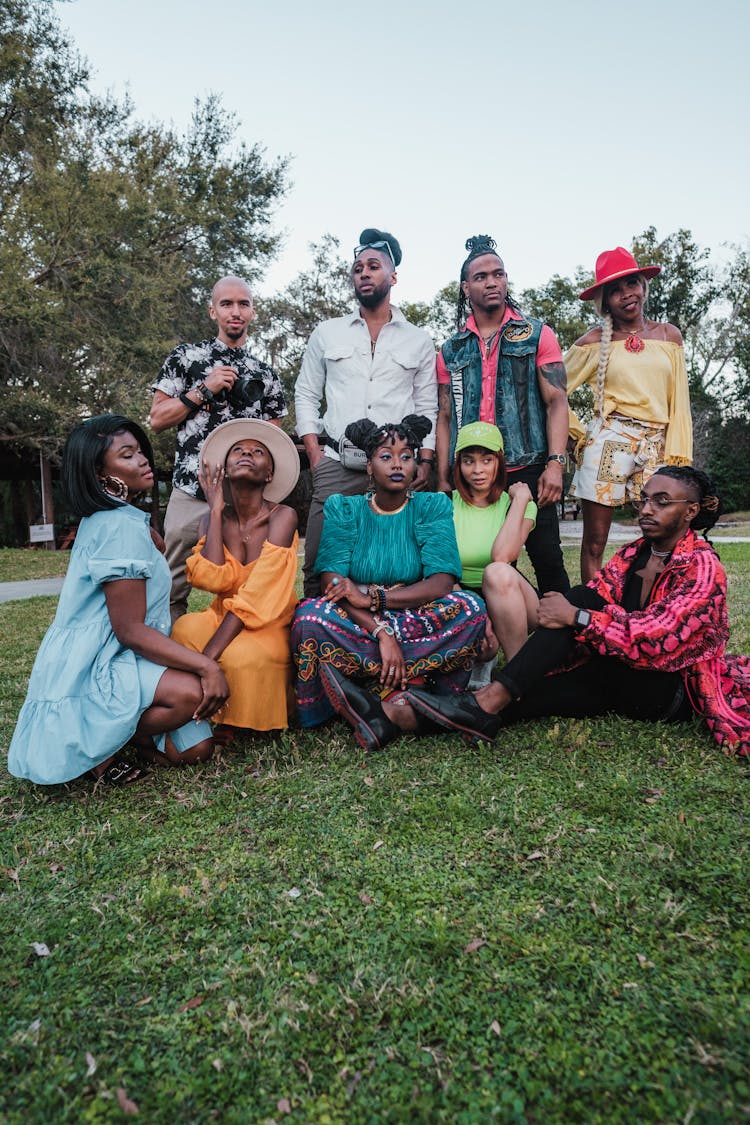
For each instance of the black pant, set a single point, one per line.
(543, 544)
(603, 685)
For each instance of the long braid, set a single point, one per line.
(605, 347)
(461, 309)
(605, 344)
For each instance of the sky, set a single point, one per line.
(560, 127)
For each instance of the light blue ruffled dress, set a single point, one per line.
(87, 692)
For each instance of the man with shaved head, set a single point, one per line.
(199, 387)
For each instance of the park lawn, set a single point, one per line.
(552, 929)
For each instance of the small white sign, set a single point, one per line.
(41, 532)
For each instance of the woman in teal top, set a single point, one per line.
(388, 614)
(491, 528)
(107, 671)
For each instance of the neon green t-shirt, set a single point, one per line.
(476, 529)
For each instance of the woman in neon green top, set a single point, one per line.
(491, 528)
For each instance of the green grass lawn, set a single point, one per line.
(554, 929)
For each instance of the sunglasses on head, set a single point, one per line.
(383, 245)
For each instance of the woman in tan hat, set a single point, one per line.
(636, 369)
(247, 557)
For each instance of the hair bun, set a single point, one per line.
(418, 427)
(480, 244)
(372, 234)
(360, 431)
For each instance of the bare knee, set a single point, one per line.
(593, 544)
(201, 752)
(499, 578)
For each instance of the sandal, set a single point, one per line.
(121, 772)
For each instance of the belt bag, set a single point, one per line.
(351, 456)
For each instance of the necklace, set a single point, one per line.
(248, 528)
(381, 511)
(633, 342)
(660, 554)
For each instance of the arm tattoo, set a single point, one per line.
(444, 398)
(555, 375)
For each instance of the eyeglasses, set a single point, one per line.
(384, 246)
(658, 500)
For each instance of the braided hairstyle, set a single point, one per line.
(477, 245)
(366, 435)
(704, 491)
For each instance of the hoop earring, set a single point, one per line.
(114, 486)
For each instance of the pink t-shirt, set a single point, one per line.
(547, 352)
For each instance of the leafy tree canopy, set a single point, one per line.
(111, 233)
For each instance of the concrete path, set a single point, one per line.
(34, 588)
(571, 531)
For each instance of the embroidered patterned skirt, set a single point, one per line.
(439, 642)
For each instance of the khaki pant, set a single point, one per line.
(181, 522)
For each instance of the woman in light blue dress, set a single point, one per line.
(107, 671)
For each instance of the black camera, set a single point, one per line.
(246, 390)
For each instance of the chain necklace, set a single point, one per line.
(660, 554)
(381, 511)
(249, 526)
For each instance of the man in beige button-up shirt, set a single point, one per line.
(371, 364)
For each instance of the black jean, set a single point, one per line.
(603, 685)
(543, 544)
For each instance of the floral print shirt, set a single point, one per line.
(186, 366)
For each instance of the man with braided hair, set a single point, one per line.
(645, 638)
(506, 368)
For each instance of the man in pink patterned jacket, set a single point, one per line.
(645, 638)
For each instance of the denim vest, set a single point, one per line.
(520, 412)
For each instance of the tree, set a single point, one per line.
(557, 303)
(111, 235)
(285, 320)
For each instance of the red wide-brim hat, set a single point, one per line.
(612, 264)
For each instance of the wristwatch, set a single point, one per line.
(559, 457)
(582, 618)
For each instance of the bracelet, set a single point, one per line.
(192, 406)
(377, 599)
(382, 626)
(204, 392)
(425, 461)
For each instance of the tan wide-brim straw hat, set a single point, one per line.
(612, 264)
(281, 447)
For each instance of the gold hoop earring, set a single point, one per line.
(114, 486)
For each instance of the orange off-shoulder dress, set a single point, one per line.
(257, 663)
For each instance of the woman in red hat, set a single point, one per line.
(636, 369)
